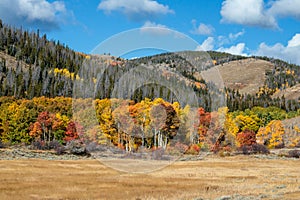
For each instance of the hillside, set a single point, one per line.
(117, 102)
(32, 66)
(246, 75)
(289, 93)
(12, 62)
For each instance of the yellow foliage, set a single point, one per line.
(272, 134)
(65, 72)
(94, 80)
(176, 106)
(65, 120)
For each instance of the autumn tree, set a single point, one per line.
(246, 138)
(73, 132)
(48, 127)
(105, 119)
(272, 134)
(204, 124)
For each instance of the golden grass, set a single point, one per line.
(245, 75)
(209, 179)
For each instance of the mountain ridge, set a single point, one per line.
(53, 68)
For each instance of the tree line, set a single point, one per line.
(148, 124)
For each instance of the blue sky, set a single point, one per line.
(245, 27)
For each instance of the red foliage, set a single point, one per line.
(45, 119)
(204, 123)
(246, 138)
(227, 148)
(215, 148)
(74, 130)
(195, 147)
(43, 126)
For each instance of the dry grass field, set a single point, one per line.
(245, 75)
(209, 178)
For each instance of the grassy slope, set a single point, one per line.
(290, 93)
(12, 61)
(246, 75)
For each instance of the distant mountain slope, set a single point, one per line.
(12, 61)
(32, 66)
(246, 75)
(289, 93)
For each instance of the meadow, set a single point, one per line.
(238, 177)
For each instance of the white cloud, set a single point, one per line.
(285, 8)
(222, 40)
(236, 35)
(247, 12)
(135, 9)
(295, 41)
(289, 53)
(149, 24)
(153, 28)
(207, 45)
(41, 13)
(210, 43)
(256, 13)
(235, 49)
(202, 29)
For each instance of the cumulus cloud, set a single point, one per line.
(154, 28)
(210, 44)
(235, 49)
(40, 13)
(284, 8)
(247, 12)
(202, 29)
(135, 9)
(290, 52)
(207, 45)
(256, 13)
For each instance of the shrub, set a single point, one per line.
(215, 148)
(194, 149)
(158, 153)
(294, 154)
(92, 146)
(39, 144)
(181, 147)
(53, 144)
(255, 148)
(42, 145)
(59, 150)
(76, 147)
(245, 149)
(246, 138)
(259, 148)
(223, 153)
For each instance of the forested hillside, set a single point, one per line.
(38, 77)
(32, 66)
(35, 58)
